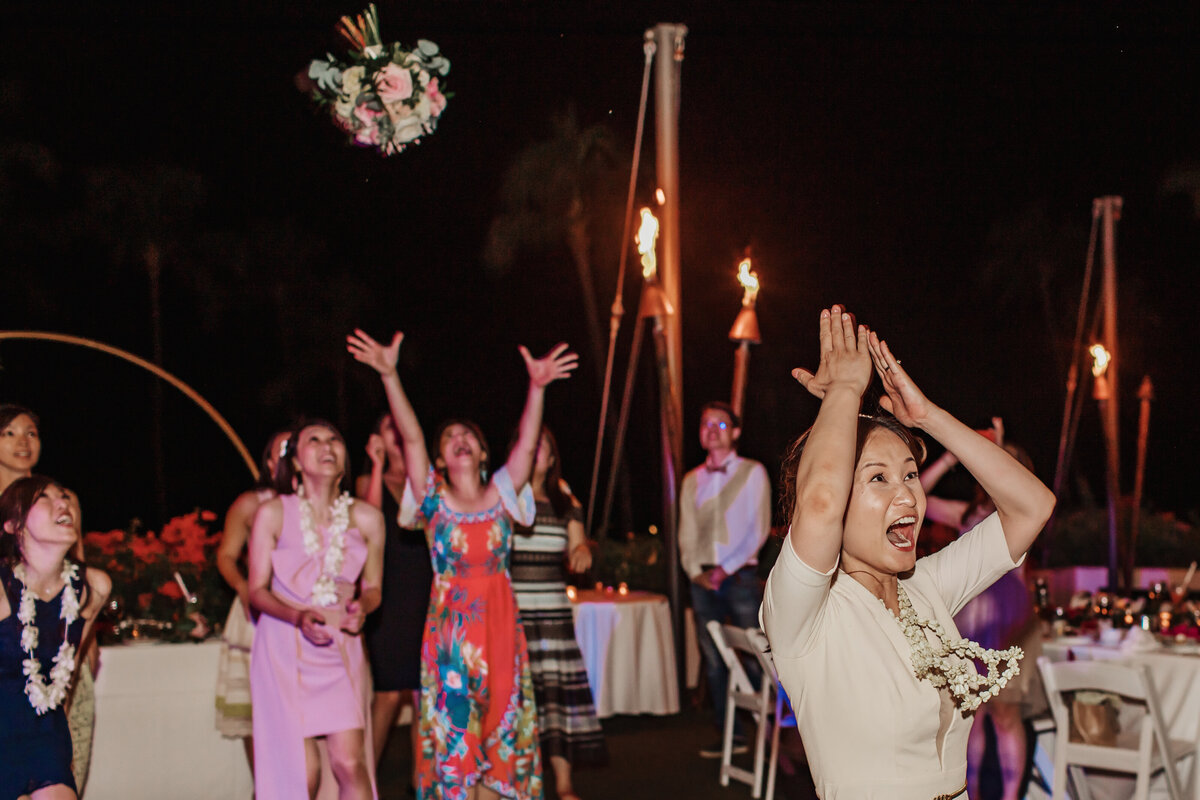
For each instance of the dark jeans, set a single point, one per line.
(736, 602)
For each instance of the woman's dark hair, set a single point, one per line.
(10, 411)
(556, 488)
(377, 429)
(867, 423)
(266, 480)
(287, 477)
(475, 430)
(15, 504)
(979, 497)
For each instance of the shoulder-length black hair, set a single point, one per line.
(555, 487)
(15, 504)
(287, 477)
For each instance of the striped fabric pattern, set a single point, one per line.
(567, 721)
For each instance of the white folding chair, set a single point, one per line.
(765, 703)
(1141, 752)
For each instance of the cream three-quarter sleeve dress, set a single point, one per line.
(871, 730)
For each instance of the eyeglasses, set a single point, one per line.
(711, 424)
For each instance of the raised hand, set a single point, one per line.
(370, 352)
(555, 365)
(903, 400)
(845, 357)
(375, 449)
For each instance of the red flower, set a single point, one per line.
(208, 516)
(171, 589)
(105, 542)
(144, 548)
(144, 599)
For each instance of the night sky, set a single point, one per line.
(931, 166)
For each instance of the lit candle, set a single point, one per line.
(570, 592)
(622, 588)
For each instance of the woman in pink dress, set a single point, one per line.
(478, 721)
(310, 548)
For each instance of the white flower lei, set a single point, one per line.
(941, 664)
(324, 591)
(45, 698)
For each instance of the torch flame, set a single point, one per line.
(645, 238)
(749, 281)
(1100, 359)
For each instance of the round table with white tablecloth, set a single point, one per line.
(1175, 672)
(629, 651)
(155, 733)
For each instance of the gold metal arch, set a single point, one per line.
(192, 394)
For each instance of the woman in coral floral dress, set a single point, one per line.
(478, 720)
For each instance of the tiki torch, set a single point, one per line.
(1102, 394)
(744, 331)
(1145, 396)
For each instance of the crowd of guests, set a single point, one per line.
(437, 584)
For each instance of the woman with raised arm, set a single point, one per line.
(861, 631)
(478, 721)
(1001, 616)
(567, 725)
(310, 549)
(393, 633)
(48, 605)
(237, 637)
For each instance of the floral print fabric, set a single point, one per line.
(478, 720)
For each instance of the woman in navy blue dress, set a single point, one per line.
(49, 602)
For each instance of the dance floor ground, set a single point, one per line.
(654, 758)
(651, 758)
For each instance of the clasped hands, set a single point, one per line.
(312, 623)
(848, 354)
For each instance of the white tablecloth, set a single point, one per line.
(155, 734)
(629, 652)
(1176, 678)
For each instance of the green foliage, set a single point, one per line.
(1081, 539)
(637, 560)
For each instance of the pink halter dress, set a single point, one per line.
(300, 690)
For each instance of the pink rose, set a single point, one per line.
(368, 134)
(393, 84)
(437, 100)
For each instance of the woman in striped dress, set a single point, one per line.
(569, 731)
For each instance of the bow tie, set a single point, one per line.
(720, 469)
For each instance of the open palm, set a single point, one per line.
(903, 400)
(370, 352)
(555, 365)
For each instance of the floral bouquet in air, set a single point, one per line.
(383, 95)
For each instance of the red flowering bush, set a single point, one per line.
(143, 564)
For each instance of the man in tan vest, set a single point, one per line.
(724, 518)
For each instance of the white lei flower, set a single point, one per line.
(324, 591)
(45, 698)
(945, 663)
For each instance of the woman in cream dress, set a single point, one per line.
(858, 627)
